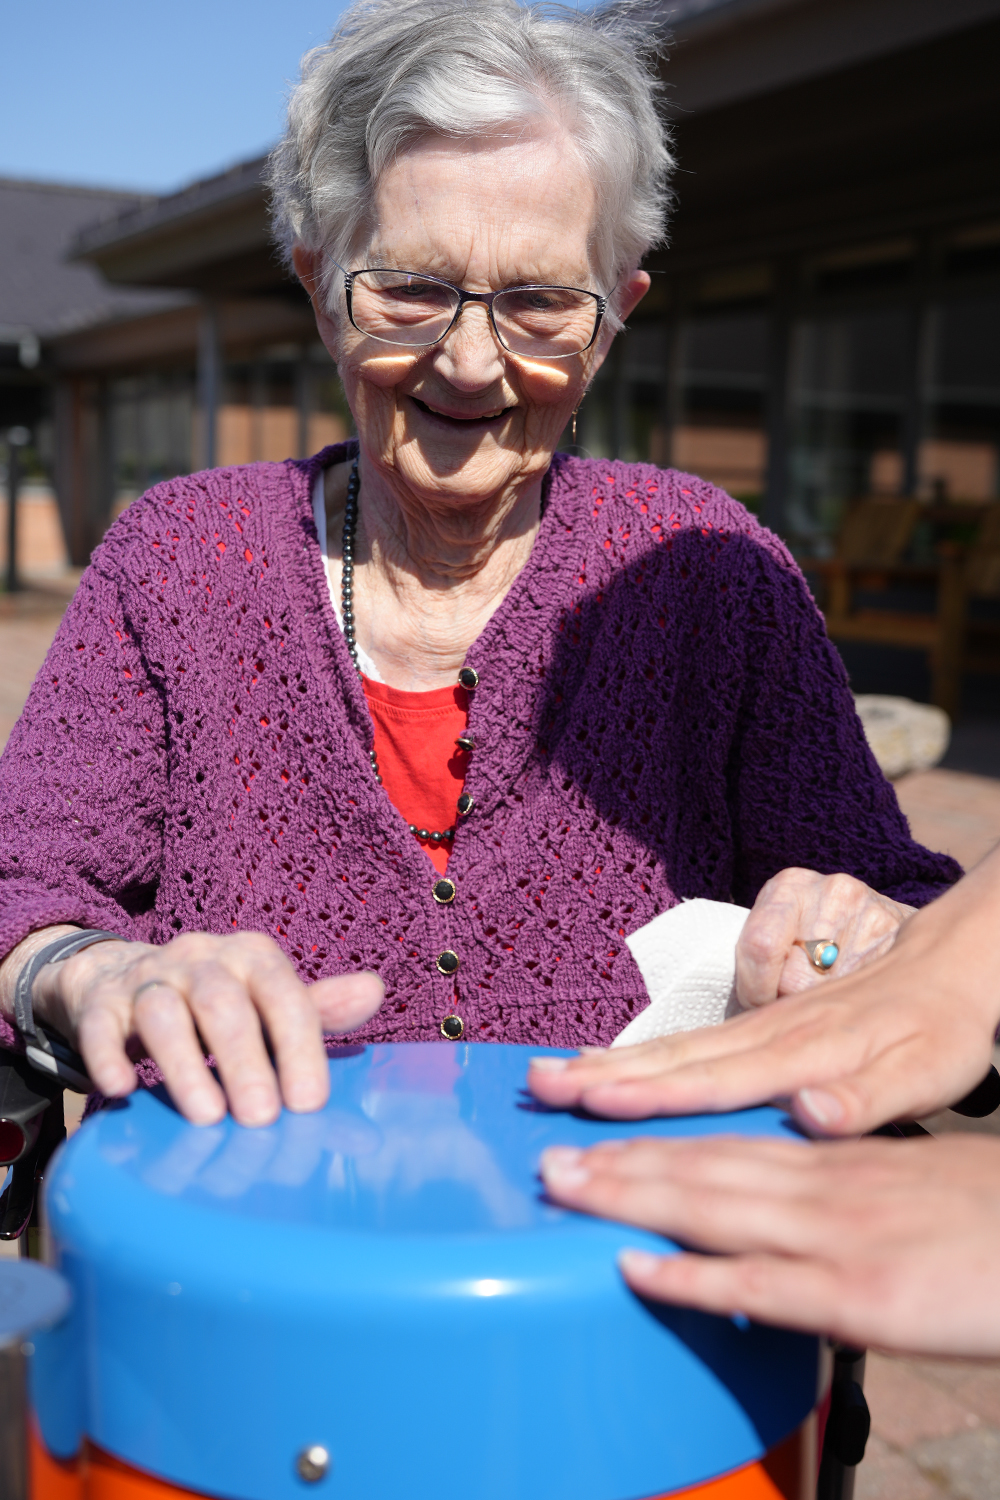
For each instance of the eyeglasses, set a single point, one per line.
(404, 307)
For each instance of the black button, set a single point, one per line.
(452, 1027)
(469, 678)
(447, 962)
(465, 741)
(443, 892)
(465, 805)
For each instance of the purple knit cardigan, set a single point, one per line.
(659, 715)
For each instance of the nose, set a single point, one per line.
(470, 358)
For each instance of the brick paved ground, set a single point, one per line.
(935, 1423)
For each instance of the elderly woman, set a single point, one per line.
(439, 715)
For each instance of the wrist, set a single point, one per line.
(18, 957)
(945, 948)
(60, 988)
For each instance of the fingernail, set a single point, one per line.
(210, 1115)
(562, 1166)
(826, 1109)
(548, 1064)
(638, 1262)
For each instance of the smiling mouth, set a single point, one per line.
(485, 419)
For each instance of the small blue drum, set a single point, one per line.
(376, 1301)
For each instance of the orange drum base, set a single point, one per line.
(785, 1474)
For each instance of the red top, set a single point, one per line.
(422, 768)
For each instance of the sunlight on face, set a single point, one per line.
(464, 420)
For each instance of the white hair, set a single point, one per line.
(398, 71)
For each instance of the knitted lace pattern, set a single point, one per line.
(659, 716)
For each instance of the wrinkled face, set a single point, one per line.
(465, 420)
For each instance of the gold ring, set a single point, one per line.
(822, 953)
(150, 984)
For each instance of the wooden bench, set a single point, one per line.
(873, 541)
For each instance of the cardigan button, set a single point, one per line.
(465, 741)
(447, 962)
(443, 892)
(469, 679)
(452, 1027)
(465, 805)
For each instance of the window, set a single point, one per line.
(150, 426)
(959, 457)
(848, 391)
(720, 433)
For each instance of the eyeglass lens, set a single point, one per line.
(400, 308)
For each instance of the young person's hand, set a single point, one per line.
(892, 1243)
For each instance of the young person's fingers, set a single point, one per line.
(722, 1218)
(907, 1080)
(803, 1295)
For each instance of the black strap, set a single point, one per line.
(44, 1048)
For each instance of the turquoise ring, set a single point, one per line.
(822, 953)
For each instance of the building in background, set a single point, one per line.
(44, 296)
(824, 325)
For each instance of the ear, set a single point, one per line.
(627, 299)
(632, 293)
(307, 269)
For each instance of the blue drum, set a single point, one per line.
(376, 1301)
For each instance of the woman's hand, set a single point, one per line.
(893, 1243)
(797, 906)
(231, 993)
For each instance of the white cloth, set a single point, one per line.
(687, 958)
(365, 662)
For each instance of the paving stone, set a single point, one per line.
(906, 1408)
(28, 621)
(966, 1466)
(888, 1475)
(974, 1384)
(952, 811)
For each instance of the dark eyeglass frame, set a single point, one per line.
(486, 298)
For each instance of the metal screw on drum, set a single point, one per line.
(313, 1463)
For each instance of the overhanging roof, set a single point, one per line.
(41, 295)
(215, 231)
(796, 58)
(727, 50)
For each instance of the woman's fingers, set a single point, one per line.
(238, 997)
(799, 906)
(166, 1028)
(293, 1027)
(346, 1001)
(768, 937)
(229, 1011)
(102, 1031)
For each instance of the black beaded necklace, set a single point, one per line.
(468, 677)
